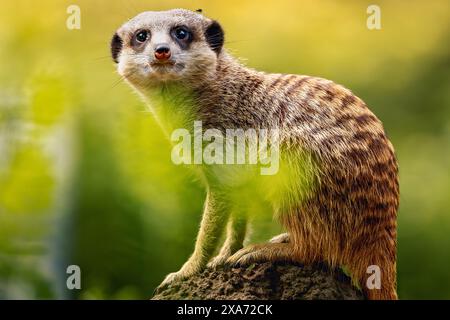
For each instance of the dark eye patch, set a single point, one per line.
(116, 47)
(183, 36)
(140, 38)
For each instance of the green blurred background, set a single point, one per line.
(85, 172)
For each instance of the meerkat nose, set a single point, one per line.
(162, 52)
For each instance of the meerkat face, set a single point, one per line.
(159, 46)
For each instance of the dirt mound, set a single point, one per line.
(261, 282)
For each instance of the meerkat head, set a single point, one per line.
(160, 46)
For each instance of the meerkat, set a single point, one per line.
(176, 61)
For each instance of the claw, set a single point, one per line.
(238, 259)
(261, 253)
(217, 262)
(281, 238)
(170, 278)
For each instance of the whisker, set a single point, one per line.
(117, 82)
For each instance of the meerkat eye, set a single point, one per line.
(181, 33)
(142, 36)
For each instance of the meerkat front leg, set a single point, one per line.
(213, 222)
(236, 231)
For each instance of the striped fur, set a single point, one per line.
(349, 219)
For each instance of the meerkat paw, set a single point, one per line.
(261, 253)
(217, 261)
(281, 238)
(224, 254)
(171, 278)
(182, 274)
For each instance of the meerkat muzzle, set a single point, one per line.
(162, 53)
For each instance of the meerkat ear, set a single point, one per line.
(215, 36)
(116, 47)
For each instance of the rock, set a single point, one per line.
(264, 281)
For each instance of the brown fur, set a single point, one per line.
(350, 217)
